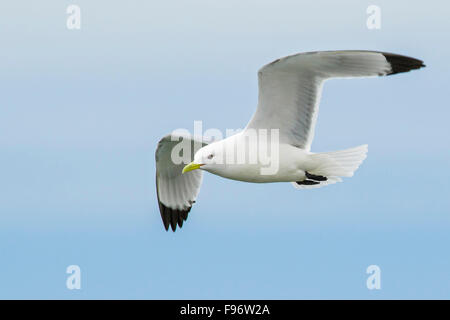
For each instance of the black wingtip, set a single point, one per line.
(172, 217)
(165, 215)
(401, 63)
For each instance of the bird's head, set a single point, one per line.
(206, 158)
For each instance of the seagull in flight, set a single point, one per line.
(288, 102)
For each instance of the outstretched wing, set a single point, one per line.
(176, 192)
(290, 87)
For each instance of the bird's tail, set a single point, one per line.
(334, 165)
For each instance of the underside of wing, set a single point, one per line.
(176, 192)
(290, 87)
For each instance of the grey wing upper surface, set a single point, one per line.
(176, 192)
(290, 87)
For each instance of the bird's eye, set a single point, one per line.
(210, 156)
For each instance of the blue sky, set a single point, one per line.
(81, 112)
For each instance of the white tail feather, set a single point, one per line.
(335, 164)
(341, 163)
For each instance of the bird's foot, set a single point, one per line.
(314, 177)
(307, 182)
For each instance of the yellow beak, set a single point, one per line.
(191, 166)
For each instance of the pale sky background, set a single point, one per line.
(81, 112)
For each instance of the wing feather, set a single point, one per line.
(290, 87)
(176, 192)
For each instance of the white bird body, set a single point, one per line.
(275, 145)
(293, 162)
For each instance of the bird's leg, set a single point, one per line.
(311, 179)
(307, 182)
(314, 177)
